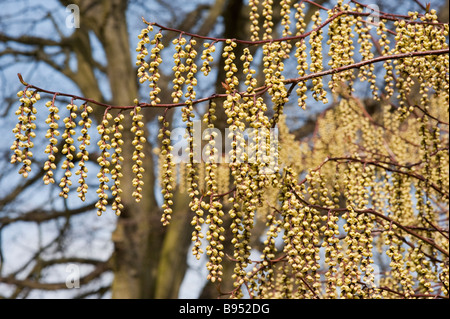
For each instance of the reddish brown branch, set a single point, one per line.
(430, 116)
(382, 15)
(244, 94)
(391, 169)
(73, 96)
(377, 214)
(100, 268)
(366, 62)
(404, 228)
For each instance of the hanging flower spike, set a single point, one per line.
(178, 69)
(231, 81)
(268, 19)
(384, 42)
(103, 160)
(116, 163)
(286, 22)
(68, 149)
(24, 131)
(207, 57)
(197, 204)
(191, 69)
(155, 61)
(83, 154)
(142, 53)
(138, 155)
(215, 216)
(167, 170)
(300, 54)
(341, 50)
(254, 17)
(367, 72)
(52, 133)
(188, 110)
(315, 41)
(274, 54)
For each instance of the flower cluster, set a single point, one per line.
(83, 154)
(104, 144)
(68, 149)
(302, 67)
(274, 54)
(315, 42)
(254, 16)
(250, 80)
(139, 141)
(156, 60)
(166, 172)
(116, 163)
(231, 81)
(416, 37)
(333, 253)
(215, 232)
(52, 148)
(191, 70)
(335, 207)
(24, 131)
(341, 48)
(384, 44)
(267, 13)
(179, 69)
(300, 24)
(207, 58)
(366, 72)
(286, 17)
(151, 66)
(142, 53)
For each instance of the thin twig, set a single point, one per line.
(244, 94)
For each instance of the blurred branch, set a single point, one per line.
(420, 4)
(41, 215)
(100, 268)
(31, 40)
(20, 188)
(210, 21)
(40, 55)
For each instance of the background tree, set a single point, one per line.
(346, 199)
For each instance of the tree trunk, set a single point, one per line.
(134, 257)
(172, 265)
(142, 247)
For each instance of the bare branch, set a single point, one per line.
(31, 40)
(244, 94)
(41, 215)
(100, 268)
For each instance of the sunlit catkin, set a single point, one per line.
(138, 142)
(83, 154)
(68, 149)
(52, 136)
(117, 161)
(24, 131)
(166, 170)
